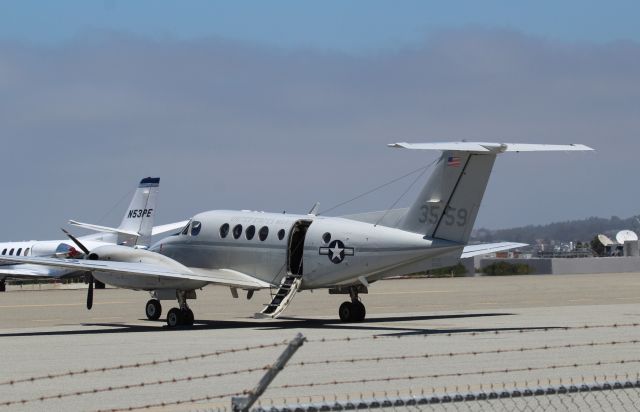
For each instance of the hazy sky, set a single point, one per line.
(276, 105)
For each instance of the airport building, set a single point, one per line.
(620, 256)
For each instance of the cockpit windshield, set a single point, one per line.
(185, 231)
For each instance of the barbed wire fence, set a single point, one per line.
(592, 384)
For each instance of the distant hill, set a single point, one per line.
(573, 230)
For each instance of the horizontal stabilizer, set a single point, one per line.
(103, 229)
(484, 147)
(485, 248)
(157, 230)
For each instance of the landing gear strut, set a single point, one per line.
(353, 311)
(182, 316)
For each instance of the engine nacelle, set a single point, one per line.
(118, 253)
(64, 251)
(55, 249)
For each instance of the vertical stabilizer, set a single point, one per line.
(139, 216)
(448, 204)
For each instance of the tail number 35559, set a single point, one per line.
(451, 216)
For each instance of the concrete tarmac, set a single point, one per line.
(50, 332)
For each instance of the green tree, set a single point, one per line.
(450, 271)
(506, 269)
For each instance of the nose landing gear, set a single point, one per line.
(153, 309)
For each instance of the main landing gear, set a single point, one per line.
(353, 311)
(182, 316)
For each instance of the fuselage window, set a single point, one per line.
(326, 238)
(19, 251)
(250, 232)
(281, 234)
(26, 251)
(4, 251)
(195, 228)
(263, 233)
(237, 231)
(224, 230)
(11, 252)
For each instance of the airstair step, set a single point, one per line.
(288, 288)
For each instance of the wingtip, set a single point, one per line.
(398, 145)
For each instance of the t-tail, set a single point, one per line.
(139, 216)
(136, 227)
(448, 204)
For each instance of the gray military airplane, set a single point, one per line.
(256, 250)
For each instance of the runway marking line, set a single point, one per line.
(396, 306)
(57, 304)
(107, 318)
(415, 292)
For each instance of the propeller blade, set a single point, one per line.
(77, 242)
(90, 292)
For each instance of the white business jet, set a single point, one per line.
(135, 230)
(256, 250)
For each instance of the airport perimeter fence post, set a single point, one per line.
(243, 403)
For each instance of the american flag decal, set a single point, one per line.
(453, 161)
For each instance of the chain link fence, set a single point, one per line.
(607, 396)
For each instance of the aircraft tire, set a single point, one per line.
(187, 317)
(153, 309)
(346, 312)
(174, 317)
(360, 311)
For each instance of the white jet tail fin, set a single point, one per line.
(140, 215)
(448, 204)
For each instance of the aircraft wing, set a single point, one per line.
(224, 277)
(228, 277)
(31, 272)
(158, 230)
(484, 248)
